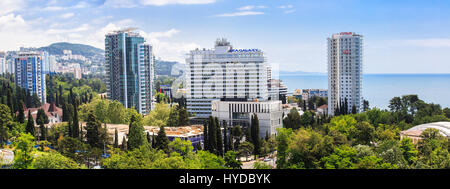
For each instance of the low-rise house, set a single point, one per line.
(415, 132)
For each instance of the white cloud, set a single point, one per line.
(242, 13)
(67, 15)
(136, 3)
(251, 7)
(8, 6)
(82, 28)
(289, 11)
(53, 7)
(168, 2)
(121, 3)
(286, 7)
(167, 49)
(166, 34)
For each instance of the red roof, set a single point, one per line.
(45, 107)
(323, 107)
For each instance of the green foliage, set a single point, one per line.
(30, 125)
(183, 147)
(343, 157)
(283, 138)
(231, 160)
(159, 116)
(162, 142)
(307, 119)
(307, 147)
(54, 160)
(136, 133)
(210, 161)
(23, 156)
(292, 120)
(261, 165)
(5, 123)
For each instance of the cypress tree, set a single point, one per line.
(346, 107)
(225, 137)
(42, 131)
(93, 127)
(124, 144)
(149, 139)
(10, 102)
(75, 123)
(212, 135)
(205, 135)
(162, 142)
(21, 116)
(116, 138)
(354, 109)
(255, 135)
(136, 134)
(219, 138)
(30, 125)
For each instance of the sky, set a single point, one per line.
(401, 36)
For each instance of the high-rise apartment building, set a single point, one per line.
(224, 73)
(3, 64)
(29, 73)
(129, 69)
(345, 52)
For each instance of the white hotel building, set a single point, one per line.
(224, 73)
(345, 52)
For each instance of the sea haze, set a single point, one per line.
(380, 88)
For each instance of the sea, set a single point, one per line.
(378, 89)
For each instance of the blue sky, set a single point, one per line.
(401, 36)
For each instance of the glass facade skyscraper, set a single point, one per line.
(129, 70)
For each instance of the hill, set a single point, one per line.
(80, 49)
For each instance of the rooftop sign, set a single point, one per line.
(245, 50)
(346, 33)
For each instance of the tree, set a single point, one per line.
(5, 121)
(183, 147)
(237, 135)
(365, 105)
(30, 125)
(21, 115)
(219, 137)
(210, 161)
(245, 149)
(162, 142)
(75, 121)
(305, 149)
(231, 160)
(93, 131)
(173, 117)
(183, 116)
(292, 120)
(256, 140)
(225, 137)
(205, 136)
(307, 119)
(54, 160)
(343, 157)
(116, 138)
(124, 144)
(362, 133)
(158, 116)
(409, 150)
(23, 156)
(212, 135)
(136, 134)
